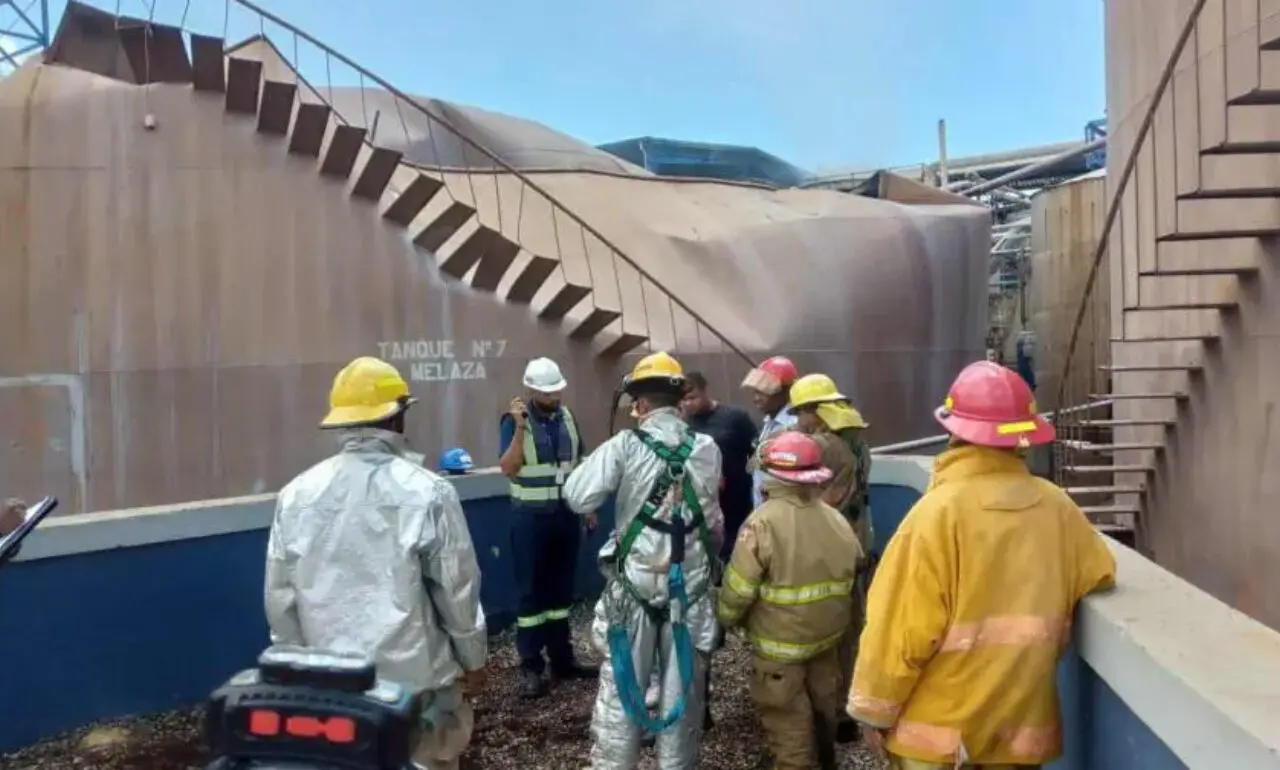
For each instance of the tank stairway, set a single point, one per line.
(1199, 250)
(485, 223)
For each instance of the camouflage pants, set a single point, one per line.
(797, 704)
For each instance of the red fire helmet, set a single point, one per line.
(773, 375)
(991, 405)
(793, 456)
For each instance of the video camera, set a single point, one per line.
(304, 709)
(300, 709)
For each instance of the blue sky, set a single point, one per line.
(822, 83)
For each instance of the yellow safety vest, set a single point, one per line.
(539, 482)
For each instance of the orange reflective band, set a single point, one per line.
(1016, 427)
(1006, 630)
(877, 710)
(1032, 742)
(930, 739)
(1025, 743)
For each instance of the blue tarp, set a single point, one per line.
(673, 157)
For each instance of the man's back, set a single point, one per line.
(370, 553)
(734, 432)
(806, 555)
(972, 606)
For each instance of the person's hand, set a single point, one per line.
(12, 514)
(518, 411)
(473, 681)
(873, 738)
(593, 521)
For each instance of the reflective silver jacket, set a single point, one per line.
(625, 465)
(370, 553)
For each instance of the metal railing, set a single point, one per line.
(568, 228)
(904, 447)
(1073, 436)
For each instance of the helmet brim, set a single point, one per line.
(819, 400)
(554, 387)
(819, 475)
(763, 382)
(1034, 431)
(357, 416)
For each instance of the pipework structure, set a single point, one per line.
(24, 30)
(1005, 182)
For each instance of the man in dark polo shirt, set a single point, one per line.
(734, 432)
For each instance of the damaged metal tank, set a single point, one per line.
(194, 238)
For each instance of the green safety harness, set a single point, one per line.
(630, 690)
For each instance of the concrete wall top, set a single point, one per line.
(1204, 677)
(104, 530)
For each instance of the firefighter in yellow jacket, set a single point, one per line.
(789, 583)
(972, 602)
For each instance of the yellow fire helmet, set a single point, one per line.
(656, 366)
(367, 390)
(814, 389)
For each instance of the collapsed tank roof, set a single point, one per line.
(192, 289)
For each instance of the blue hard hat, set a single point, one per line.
(456, 460)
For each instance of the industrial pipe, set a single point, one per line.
(1035, 168)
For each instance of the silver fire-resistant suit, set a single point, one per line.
(370, 553)
(626, 466)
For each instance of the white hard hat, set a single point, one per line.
(543, 375)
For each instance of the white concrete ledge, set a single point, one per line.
(902, 471)
(107, 530)
(1202, 676)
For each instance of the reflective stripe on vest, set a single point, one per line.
(536, 482)
(789, 596)
(533, 621)
(790, 652)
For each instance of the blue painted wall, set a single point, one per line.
(141, 630)
(1100, 730)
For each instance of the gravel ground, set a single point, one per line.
(552, 734)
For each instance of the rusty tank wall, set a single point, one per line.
(888, 299)
(1209, 510)
(1065, 225)
(174, 302)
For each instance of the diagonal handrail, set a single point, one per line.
(1122, 184)
(497, 161)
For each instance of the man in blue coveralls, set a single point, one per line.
(541, 444)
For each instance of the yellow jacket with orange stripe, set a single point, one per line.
(790, 579)
(970, 610)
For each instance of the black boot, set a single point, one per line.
(847, 730)
(574, 671)
(532, 685)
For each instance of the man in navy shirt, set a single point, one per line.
(541, 443)
(734, 432)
